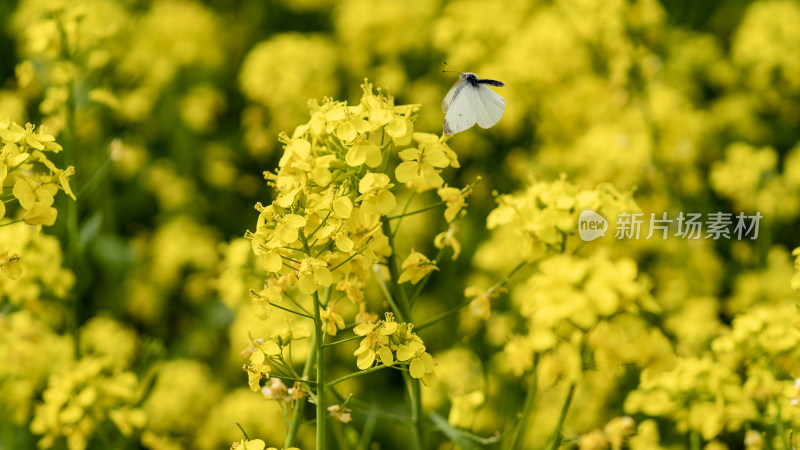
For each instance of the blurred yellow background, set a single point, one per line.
(125, 327)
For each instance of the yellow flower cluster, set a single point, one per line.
(29, 351)
(261, 353)
(78, 401)
(179, 385)
(749, 177)
(763, 337)
(539, 220)
(274, 75)
(83, 395)
(35, 180)
(324, 229)
(179, 257)
(36, 277)
(567, 298)
(698, 394)
(581, 291)
(388, 341)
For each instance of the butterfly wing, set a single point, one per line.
(450, 94)
(460, 113)
(489, 106)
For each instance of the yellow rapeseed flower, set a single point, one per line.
(415, 267)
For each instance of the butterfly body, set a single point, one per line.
(469, 101)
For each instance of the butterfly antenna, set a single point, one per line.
(448, 65)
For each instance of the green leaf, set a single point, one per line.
(90, 229)
(458, 436)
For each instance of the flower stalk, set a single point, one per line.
(320, 356)
(527, 409)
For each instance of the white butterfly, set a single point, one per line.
(470, 101)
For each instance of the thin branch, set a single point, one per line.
(289, 296)
(292, 311)
(351, 338)
(355, 374)
(490, 291)
(427, 208)
(294, 379)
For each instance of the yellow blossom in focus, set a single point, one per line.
(33, 178)
(376, 199)
(263, 299)
(362, 153)
(331, 320)
(314, 274)
(415, 267)
(419, 162)
(35, 259)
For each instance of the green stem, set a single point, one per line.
(299, 380)
(404, 312)
(395, 307)
(322, 413)
(319, 226)
(291, 311)
(490, 291)
(363, 247)
(441, 316)
(242, 430)
(351, 338)
(388, 146)
(338, 436)
(68, 146)
(297, 414)
(427, 208)
(527, 409)
(11, 223)
(555, 439)
(95, 179)
(415, 398)
(296, 303)
(405, 208)
(694, 440)
(366, 434)
(779, 428)
(355, 374)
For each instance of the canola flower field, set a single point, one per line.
(238, 224)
